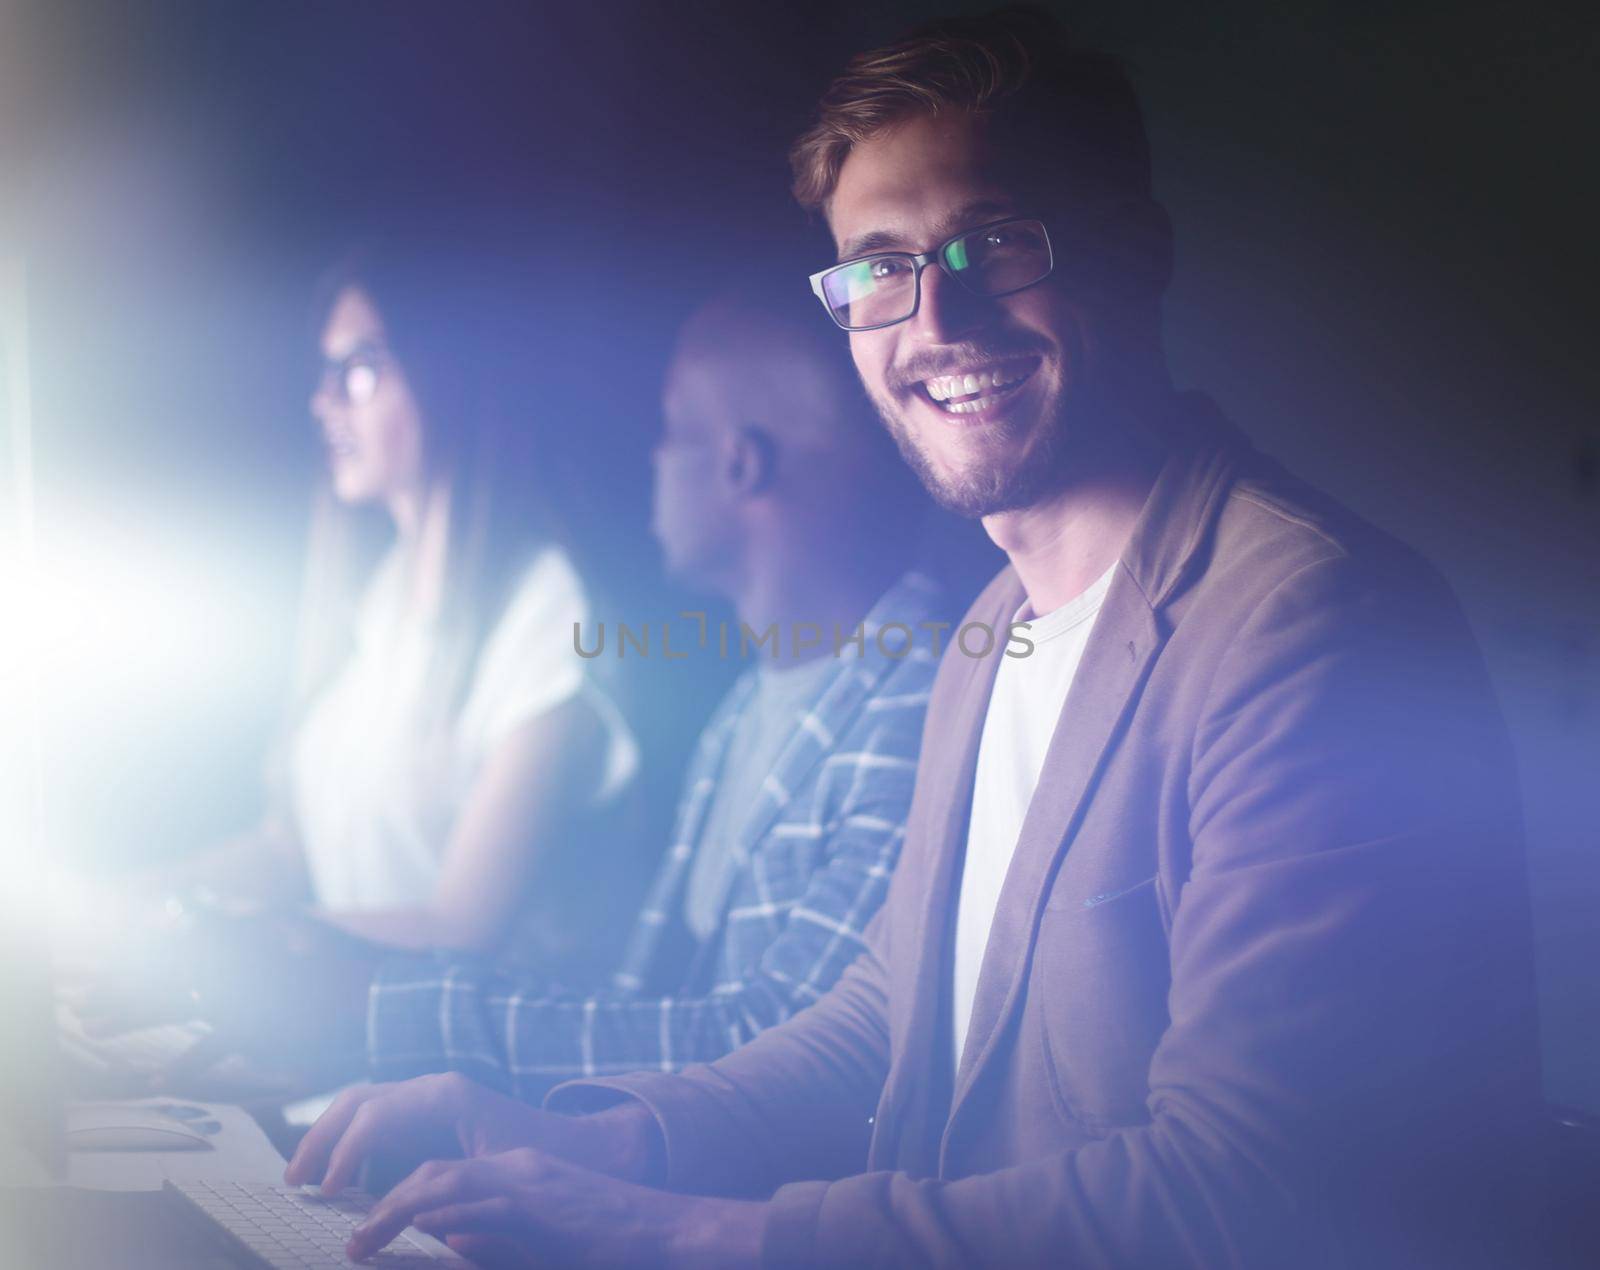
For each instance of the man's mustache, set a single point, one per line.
(950, 358)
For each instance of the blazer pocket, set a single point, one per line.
(1103, 972)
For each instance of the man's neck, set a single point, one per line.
(822, 588)
(1062, 544)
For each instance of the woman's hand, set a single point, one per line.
(280, 989)
(449, 1111)
(527, 1207)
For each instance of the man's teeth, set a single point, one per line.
(971, 406)
(944, 387)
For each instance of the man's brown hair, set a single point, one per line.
(1073, 109)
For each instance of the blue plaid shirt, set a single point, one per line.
(814, 860)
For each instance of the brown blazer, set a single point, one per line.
(1259, 986)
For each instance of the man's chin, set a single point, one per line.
(982, 488)
(977, 499)
(1003, 475)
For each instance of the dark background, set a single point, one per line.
(1386, 266)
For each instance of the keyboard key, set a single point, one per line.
(303, 1230)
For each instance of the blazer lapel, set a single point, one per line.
(1115, 662)
(916, 1099)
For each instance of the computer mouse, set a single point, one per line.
(109, 1127)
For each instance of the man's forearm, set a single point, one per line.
(797, 1102)
(627, 1143)
(718, 1234)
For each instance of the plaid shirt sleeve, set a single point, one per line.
(425, 1015)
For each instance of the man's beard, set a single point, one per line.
(1005, 484)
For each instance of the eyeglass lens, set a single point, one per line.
(993, 260)
(354, 377)
(359, 381)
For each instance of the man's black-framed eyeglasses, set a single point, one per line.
(886, 287)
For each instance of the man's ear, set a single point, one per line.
(752, 459)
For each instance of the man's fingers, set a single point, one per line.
(375, 1122)
(434, 1185)
(497, 1215)
(491, 1252)
(310, 1160)
(363, 1119)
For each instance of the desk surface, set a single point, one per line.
(240, 1152)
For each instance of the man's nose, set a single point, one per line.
(947, 310)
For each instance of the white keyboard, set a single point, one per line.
(300, 1230)
(144, 1051)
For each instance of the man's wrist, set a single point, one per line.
(636, 1146)
(715, 1233)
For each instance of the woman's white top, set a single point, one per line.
(375, 792)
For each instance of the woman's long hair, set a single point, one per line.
(464, 334)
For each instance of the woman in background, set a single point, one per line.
(446, 736)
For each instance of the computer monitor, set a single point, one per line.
(31, 1097)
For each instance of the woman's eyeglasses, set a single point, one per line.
(353, 378)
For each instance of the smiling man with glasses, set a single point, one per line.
(1209, 942)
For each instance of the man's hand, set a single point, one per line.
(623, 1141)
(526, 1207)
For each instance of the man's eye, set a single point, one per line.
(888, 268)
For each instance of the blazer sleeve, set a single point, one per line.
(1350, 1009)
(795, 1103)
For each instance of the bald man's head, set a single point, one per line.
(764, 417)
(777, 366)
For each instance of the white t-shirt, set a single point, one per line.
(375, 795)
(1024, 707)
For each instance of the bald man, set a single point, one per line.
(775, 490)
